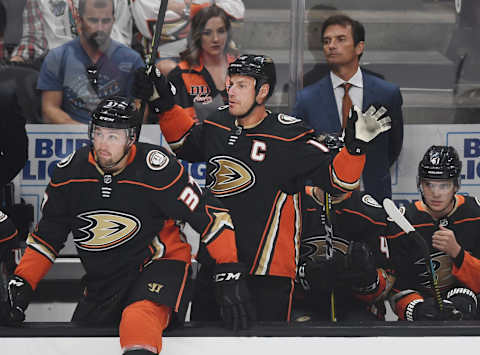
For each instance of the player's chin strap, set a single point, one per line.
(255, 104)
(446, 209)
(107, 168)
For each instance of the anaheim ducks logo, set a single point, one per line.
(315, 247)
(230, 176)
(106, 230)
(442, 265)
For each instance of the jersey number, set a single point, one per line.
(188, 196)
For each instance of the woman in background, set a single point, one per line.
(200, 75)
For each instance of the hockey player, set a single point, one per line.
(256, 161)
(357, 270)
(119, 198)
(449, 223)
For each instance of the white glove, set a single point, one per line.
(371, 123)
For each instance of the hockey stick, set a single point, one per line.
(395, 214)
(152, 56)
(458, 73)
(327, 222)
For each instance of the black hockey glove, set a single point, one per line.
(19, 294)
(150, 85)
(233, 297)
(361, 271)
(428, 310)
(363, 127)
(465, 302)
(320, 274)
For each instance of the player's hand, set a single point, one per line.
(319, 274)
(363, 127)
(150, 85)
(464, 301)
(142, 87)
(428, 310)
(361, 270)
(19, 293)
(444, 240)
(233, 296)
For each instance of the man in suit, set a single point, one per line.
(321, 104)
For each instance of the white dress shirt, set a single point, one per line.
(355, 92)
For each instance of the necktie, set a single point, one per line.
(346, 104)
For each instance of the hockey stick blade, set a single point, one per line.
(394, 213)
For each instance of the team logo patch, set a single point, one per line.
(156, 160)
(369, 200)
(314, 247)
(286, 119)
(477, 200)
(230, 176)
(107, 179)
(106, 230)
(65, 161)
(3, 216)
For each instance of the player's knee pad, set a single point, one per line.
(142, 326)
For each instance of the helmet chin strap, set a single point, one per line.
(426, 204)
(107, 168)
(255, 104)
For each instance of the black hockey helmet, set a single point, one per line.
(332, 141)
(259, 67)
(117, 112)
(440, 162)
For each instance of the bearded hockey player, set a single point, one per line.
(357, 268)
(256, 162)
(119, 198)
(449, 224)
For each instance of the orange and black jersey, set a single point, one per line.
(357, 218)
(408, 262)
(257, 173)
(121, 221)
(196, 92)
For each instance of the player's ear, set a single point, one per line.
(263, 93)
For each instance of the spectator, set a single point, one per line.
(177, 24)
(77, 75)
(321, 104)
(22, 42)
(61, 21)
(21, 30)
(447, 225)
(200, 77)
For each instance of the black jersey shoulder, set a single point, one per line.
(282, 127)
(221, 118)
(361, 213)
(153, 167)
(73, 166)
